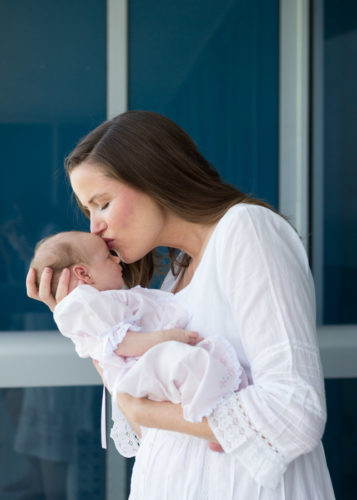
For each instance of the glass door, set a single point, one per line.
(53, 91)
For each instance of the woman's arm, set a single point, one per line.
(162, 415)
(267, 283)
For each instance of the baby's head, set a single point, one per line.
(86, 254)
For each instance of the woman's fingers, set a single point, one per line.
(44, 292)
(215, 447)
(31, 286)
(44, 289)
(193, 338)
(63, 285)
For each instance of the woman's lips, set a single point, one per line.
(110, 243)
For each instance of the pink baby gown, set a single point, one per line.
(198, 376)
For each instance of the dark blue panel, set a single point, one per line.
(50, 444)
(340, 153)
(52, 61)
(212, 66)
(340, 438)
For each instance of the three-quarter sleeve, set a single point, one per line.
(265, 277)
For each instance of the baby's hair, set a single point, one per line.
(58, 253)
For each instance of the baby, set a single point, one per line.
(137, 335)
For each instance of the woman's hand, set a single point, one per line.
(43, 292)
(215, 447)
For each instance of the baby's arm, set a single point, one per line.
(136, 344)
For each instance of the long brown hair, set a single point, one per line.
(153, 154)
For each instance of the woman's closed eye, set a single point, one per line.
(103, 207)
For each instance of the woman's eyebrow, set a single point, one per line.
(95, 197)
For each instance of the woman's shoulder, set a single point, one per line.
(245, 216)
(246, 227)
(252, 237)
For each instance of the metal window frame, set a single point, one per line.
(117, 102)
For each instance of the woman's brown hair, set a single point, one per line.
(153, 154)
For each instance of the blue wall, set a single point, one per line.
(212, 67)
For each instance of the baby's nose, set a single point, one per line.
(115, 257)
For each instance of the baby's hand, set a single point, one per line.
(185, 336)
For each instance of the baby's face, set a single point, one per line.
(104, 267)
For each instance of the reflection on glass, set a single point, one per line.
(50, 444)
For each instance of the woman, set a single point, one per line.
(143, 184)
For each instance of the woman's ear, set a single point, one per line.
(81, 272)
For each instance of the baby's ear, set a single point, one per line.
(81, 272)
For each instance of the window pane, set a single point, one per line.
(335, 172)
(52, 91)
(212, 66)
(50, 444)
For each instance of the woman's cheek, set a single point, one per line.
(119, 218)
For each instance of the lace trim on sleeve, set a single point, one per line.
(227, 424)
(125, 439)
(112, 337)
(234, 431)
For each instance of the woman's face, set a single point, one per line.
(128, 220)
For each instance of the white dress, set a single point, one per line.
(254, 287)
(197, 377)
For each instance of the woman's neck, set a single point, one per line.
(189, 237)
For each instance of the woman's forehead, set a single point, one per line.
(86, 173)
(89, 183)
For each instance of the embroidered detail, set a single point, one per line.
(225, 424)
(251, 426)
(126, 441)
(231, 425)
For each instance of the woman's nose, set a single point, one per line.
(97, 226)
